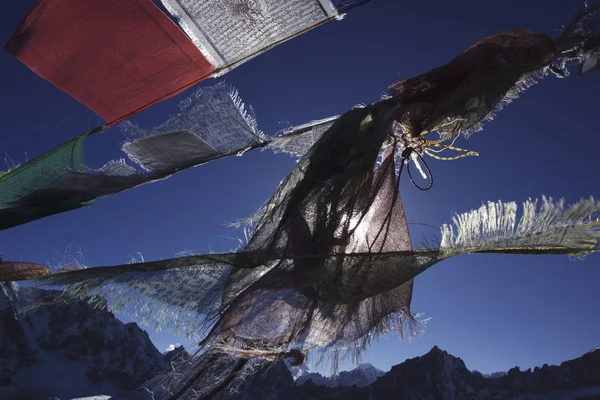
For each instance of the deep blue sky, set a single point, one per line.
(493, 311)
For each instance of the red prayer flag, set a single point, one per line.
(115, 57)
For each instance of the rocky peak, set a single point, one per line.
(362, 375)
(74, 351)
(177, 354)
(65, 350)
(438, 375)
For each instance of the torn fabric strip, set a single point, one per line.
(580, 42)
(16, 271)
(215, 115)
(496, 227)
(38, 174)
(466, 90)
(213, 123)
(229, 32)
(458, 96)
(298, 140)
(124, 55)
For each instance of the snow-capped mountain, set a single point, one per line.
(361, 376)
(299, 371)
(73, 351)
(495, 375)
(70, 351)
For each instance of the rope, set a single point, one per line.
(416, 147)
(406, 156)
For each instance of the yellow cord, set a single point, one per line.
(431, 147)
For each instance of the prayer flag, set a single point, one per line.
(116, 58)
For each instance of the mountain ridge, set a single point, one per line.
(364, 374)
(66, 351)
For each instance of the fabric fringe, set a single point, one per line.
(526, 82)
(247, 114)
(551, 226)
(407, 325)
(135, 289)
(297, 140)
(138, 291)
(204, 95)
(206, 375)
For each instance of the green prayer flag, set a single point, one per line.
(41, 173)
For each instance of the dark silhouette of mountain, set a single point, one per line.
(438, 375)
(70, 350)
(66, 351)
(361, 376)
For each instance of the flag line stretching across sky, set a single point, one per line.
(329, 264)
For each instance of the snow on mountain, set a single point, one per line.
(299, 371)
(495, 375)
(369, 372)
(70, 351)
(73, 351)
(362, 375)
